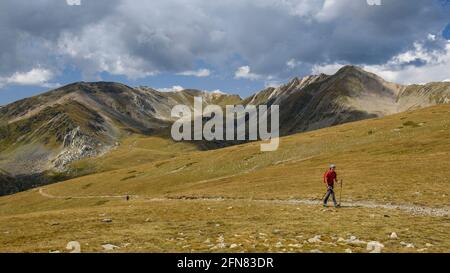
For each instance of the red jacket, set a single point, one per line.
(329, 177)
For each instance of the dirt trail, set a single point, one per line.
(51, 196)
(412, 209)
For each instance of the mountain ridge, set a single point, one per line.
(46, 133)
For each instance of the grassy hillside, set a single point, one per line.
(132, 151)
(379, 159)
(42, 135)
(178, 196)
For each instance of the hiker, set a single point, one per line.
(329, 178)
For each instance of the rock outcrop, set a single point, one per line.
(50, 131)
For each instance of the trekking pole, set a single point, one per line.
(324, 195)
(340, 194)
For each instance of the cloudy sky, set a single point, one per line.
(237, 46)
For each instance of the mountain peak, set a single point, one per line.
(351, 69)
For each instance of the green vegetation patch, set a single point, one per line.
(411, 124)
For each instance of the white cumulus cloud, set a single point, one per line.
(328, 69)
(137, 38)
(196, 73)
(175, 88)
(292, 63)
(435, 66)
(217, 92)
(73, 2)
(36, 76)
(244, 72)
(418, 65)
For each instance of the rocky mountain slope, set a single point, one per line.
(82, 120)
(42, 135)
(239, 199)
(351, 94)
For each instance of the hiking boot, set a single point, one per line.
(337, 206)
(324, 205)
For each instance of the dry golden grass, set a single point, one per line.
(400, 159)
(134, 150)
(196, 226)
(376, 159)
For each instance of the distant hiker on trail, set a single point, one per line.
(329, 178)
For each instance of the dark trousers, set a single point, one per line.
(330, 192)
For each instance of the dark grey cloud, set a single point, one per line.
(30, 29)
(138, 38)
(347, 32)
